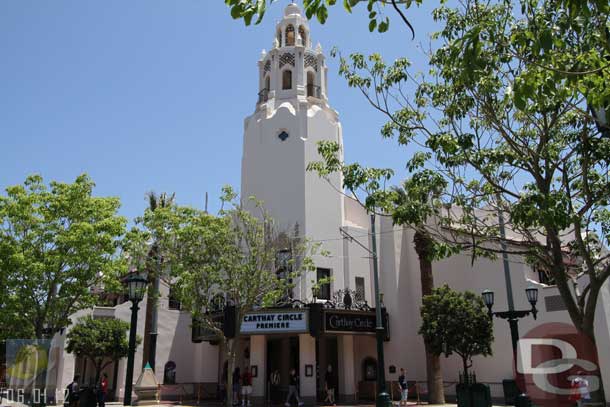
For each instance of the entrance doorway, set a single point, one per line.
(282, 357)
(327, 352)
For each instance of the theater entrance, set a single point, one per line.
(327, 352)
(282, 356)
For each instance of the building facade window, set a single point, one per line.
(360, 294)
(303, 35)
(169, 373)
(173, 302)
(311, 88)
(287, 79)
(279, 38)
(321, 275)
(290, 35)
(369, 367)
(544, 276)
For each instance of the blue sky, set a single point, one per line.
(151, 94)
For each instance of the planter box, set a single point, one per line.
(473, 395)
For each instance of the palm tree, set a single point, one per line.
(424, 247)
(154, 265)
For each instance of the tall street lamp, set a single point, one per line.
(136, 287)
(513, 315)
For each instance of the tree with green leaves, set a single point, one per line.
(102, 341)
(412, 205)
(456, 322)
(376, 9)
(57, 244)
(513, 118)
(231, 256)
(505, 118)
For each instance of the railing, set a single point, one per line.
(313, 91)
(263, 95)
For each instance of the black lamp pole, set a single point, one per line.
(511, 315)
(136, 286)
(383, 398)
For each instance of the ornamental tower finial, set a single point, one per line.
(292, 68)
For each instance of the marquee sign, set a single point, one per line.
(345, 322)
(275, 322)
(354, 322)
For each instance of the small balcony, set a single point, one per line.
(313, 91)
(263, 95)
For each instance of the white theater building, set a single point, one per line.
(292, 114)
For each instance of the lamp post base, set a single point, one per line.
(383, 400)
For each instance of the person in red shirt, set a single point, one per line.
(246, 387)
(103, 390)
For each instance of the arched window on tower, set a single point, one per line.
(312, 90)
(263, 96)
(287, 79)
(279, 38)
(303, 35)
(290, 35)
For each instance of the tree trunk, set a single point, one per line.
(434, 374)
(582, 318)
(598, 396)
(465, 364)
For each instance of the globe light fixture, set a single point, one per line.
(136, 288)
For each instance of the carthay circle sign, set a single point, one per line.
(347, 322)
(274, 322)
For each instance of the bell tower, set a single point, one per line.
(291, 116)
(292, 69)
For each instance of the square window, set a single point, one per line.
(324, 293)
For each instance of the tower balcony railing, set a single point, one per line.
(313, 91)
(263, 95)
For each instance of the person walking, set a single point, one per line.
(236, 380)
(293, 388)
(246, 387)
(102, 391)
(404, 388)
(331, 386)
(73, 392)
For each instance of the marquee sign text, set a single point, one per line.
(274, 322)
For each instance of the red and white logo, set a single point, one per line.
(550, 357)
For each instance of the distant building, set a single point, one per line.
(292, 114)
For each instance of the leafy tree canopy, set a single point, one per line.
(56, 244)
(100, 340)
(456, 322)
(225, 259)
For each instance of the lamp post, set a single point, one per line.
(513, 316)
(136, 287)
(383, 398)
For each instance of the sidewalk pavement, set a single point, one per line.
(218, 404)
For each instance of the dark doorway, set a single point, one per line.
(327, 351)
(282, 356)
